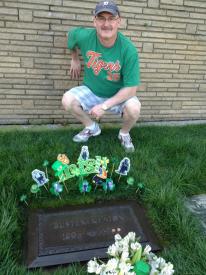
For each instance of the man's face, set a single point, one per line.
(107, 25)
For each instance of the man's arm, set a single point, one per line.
(121, 96)
(75, 69)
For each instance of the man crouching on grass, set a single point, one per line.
(111, 75)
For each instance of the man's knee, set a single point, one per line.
(132, 109)
(68, 101)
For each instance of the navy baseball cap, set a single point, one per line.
(106, 6)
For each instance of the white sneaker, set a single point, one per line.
(126, 142)
(86, 133)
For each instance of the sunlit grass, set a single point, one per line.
(170, 161)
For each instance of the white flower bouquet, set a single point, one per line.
(128, 258)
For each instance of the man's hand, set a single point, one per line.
(97, 112)
(75, 69)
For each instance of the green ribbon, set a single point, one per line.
(142, 268)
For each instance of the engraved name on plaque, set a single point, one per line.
(78, 234)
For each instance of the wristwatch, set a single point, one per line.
(104, 107)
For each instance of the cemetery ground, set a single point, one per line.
(170, 161)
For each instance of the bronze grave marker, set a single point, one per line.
(74, 234)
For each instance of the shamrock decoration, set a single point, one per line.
(140, 187)
(45, 163)
(130, 181)
(108, 185)
(56, 189)
(114, 160)
(59, 168)
(34, 188)
(84, 187)
(23, 198)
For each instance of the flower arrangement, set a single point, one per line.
(127, 257)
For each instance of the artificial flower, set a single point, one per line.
(125, 256)
(147, 250)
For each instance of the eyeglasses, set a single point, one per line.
(111, 19)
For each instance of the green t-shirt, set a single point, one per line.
(106, 70)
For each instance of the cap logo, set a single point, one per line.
(106, 3)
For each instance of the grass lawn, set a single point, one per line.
(170, 161)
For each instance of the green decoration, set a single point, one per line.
(84, 187)
(59, 167)
(130, 181)
(140, 187)
(81, 164)
(53, 192)
(56, 189)
(45, 163)
(90, 167)
(61, 170)
(137, 255)
(114, 160)
(83, 168)
(97, 163)
(73, 169)
(104, 162)
(142, 268)
(34, 188)
(23, 198)
(66, 174)
(108, 185)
